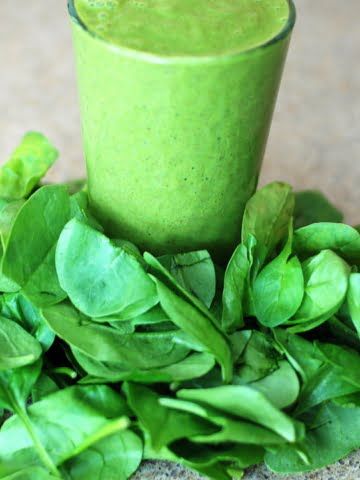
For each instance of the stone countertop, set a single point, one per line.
(314, 143)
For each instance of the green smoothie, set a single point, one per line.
(177, 98)
(185, 27)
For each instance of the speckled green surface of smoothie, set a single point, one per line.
(185, 27)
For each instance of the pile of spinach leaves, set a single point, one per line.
(109, 356)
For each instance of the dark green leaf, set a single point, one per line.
(151, 414)
(353, 300)
(311, 206)
(16, 385)
(165, 276)
(201, 328)
(195, 272)
(333, 432)
(302, 354)
(43, 387)
(106, 344)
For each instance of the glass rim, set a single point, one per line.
(188, 59)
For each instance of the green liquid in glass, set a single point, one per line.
(185, 27)
(176, 107)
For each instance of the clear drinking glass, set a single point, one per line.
(174, 146)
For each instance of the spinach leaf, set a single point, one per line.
(80, 209)
(44, 215)
(225, 462)
(8, 213)
(279, 289)
(281, 386)
(327, 383)
(117, 455)
(30, 473)
(201, 328)
(326, 281)
(193, 366)
(151, 317)
(301, 353)
(345, 360)
(66, 423)
(159, 271)
(174, 424)
(235, 281)
(267, 217)
(194, 271)
(43, 387)
(108, 280)
(247, 403)
(353, 300)
(333, 432)
(19, 308)
(339, 331)
(17, 347)
(321, 381)
(16, 386)
(232, 430)
(26, 166)
(259, 356)
(342, 239)
(106, 344)
(311, 206)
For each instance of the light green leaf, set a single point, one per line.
(44, 215)
(192, 367)
(247, 403)
(326, 281)
(17, 347)
(108, 280)
(342, 239)
(267, 217)
(66, 423)
(279, 289)
(117, 456)
(235, 282)
(26, 166)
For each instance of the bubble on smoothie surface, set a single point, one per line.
(185, 27)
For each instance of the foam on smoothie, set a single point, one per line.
(185, 27)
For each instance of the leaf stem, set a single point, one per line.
(43, 454)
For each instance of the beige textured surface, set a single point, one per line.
(315, 139)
